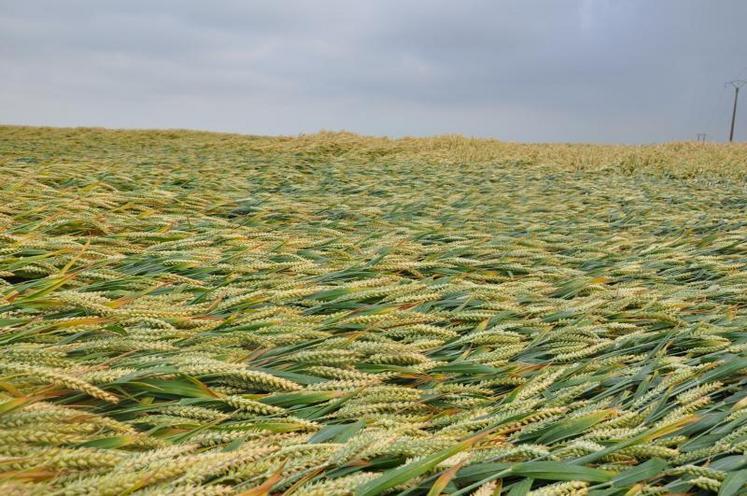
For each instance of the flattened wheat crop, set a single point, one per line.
(202, 314)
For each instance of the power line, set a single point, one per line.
(736, 84)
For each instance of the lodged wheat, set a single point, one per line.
(187, 313)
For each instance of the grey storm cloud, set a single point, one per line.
(526, 70)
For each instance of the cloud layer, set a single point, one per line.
(527, 70)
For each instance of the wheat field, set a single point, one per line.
(187, 313)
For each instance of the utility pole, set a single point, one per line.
(736, 84)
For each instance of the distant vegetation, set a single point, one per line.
(188, 313)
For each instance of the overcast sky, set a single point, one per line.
(521, 70)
